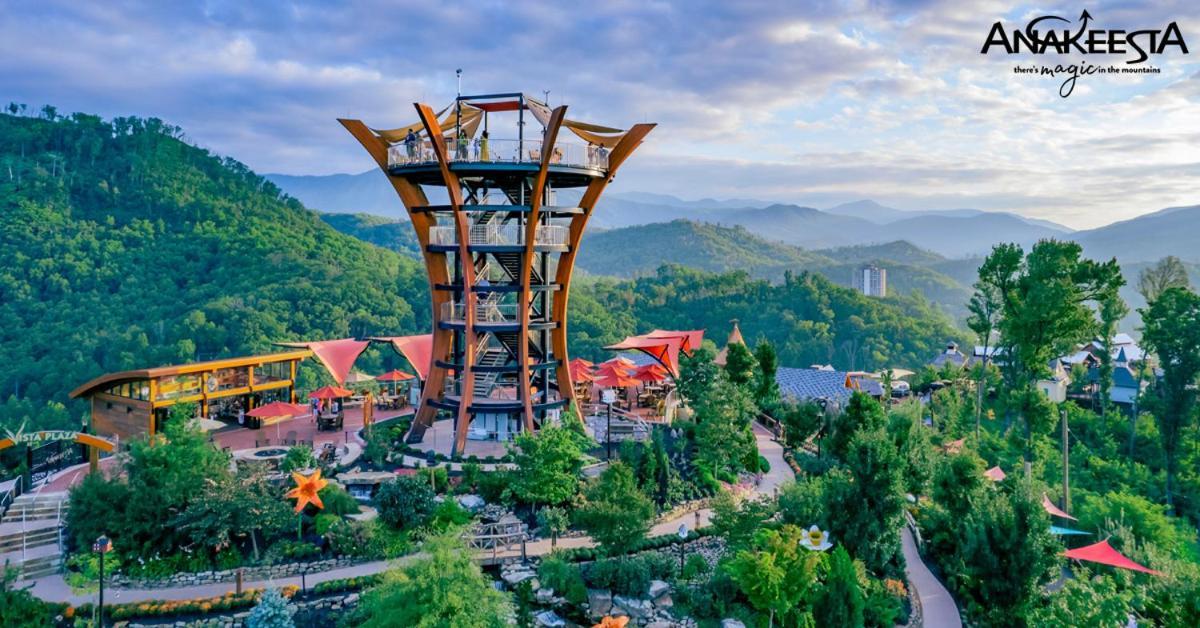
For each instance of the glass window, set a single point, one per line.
(178, 386)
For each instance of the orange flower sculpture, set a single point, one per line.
(306, 490)
(612, 622)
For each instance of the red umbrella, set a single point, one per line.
(620, 361)
(609, 368)
(651, 373)
(394, 376)
(580, 362)
(580, 373)
(615, 380)
(330, 392)
(277, 409)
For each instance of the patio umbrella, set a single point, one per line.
(651, 373)
(394, 376)
(580, 362)
(608, 368)
(329, 392)
(581, 373)
(277, 410)
(615, 380)
(621, 361)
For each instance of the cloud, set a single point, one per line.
(837, 100)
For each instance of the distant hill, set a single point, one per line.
(640, 250)
(880, 214)
(898, 251)
(366, 192)
(390, 234)
(1172, 231)
(964, 236)
(801, 226)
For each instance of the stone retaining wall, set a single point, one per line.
(320, 612)
(249, 574)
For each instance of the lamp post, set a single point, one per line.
(102, 546)
(608, 395)
(683, 534)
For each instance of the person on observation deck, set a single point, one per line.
(463, 143)
(410, 145)
(483, 147)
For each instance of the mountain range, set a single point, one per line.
(953, 233)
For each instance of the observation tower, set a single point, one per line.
(500, 251)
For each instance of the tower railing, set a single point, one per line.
(421, 152)
(495, 234)
(484, 312)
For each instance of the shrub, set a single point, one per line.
(288, 551)
(349, 538)
(337, 501)
(564, 577)
(272, 611)
(297, 458)
(630, 575)
(404, 502)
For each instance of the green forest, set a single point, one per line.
(122, 246)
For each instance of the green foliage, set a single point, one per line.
(736, 521)
(698, 373)
(553, 521)
(337, 501)
(564, 577)
(911, 438)
(724, 439)
(1146, 521)
(18, 607)
(616, 513)
(766, 388)
(272, 611)
(229, 264)
(1085, 600)
(776, 574)
(870, 529)
(801, 421)
(1172, 332)
(694, 567)
(802, 502)
(740, 364)
(630, 575)
(548, 463)
(446, 588)
(298, 458)
(862, 413)
(405, 502)
(838, 601)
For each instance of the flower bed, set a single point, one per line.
(162, 609)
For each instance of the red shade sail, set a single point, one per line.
(1049, 507)
(689, 340)
(394, 376)
(330, 392)
(1104, 554)
(664, 350)
(337, 356)
(418, 350)
(651, 373)
(277, 409)
(995, 474)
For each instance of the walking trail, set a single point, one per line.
(938, 606)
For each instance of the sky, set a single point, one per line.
(812, 103)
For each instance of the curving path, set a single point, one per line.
(938, 609)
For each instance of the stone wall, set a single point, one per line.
(319, 612)
(249, 574)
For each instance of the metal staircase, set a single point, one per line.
(511, 263)
(31, 534)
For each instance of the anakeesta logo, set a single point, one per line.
(1057, 35)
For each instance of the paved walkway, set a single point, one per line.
(938, 609)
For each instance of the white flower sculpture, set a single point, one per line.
(816, 540)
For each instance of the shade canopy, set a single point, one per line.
(995, 474)
(358, 377)
(664, 350)
(689, 340)
(418, 350)
(1049, 507)
(337, 356)
(651, 373)
(330, 392)
(1104, 554)
(1056, 530)
(394, 376)
(277, 409)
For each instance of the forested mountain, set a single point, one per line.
(1172, 231)
(809, 318)
(391, 234)
(123, 247)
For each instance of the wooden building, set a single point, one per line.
(132, 403)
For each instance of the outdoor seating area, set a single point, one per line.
(644, 390)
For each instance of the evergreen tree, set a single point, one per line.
(617, 514)
(272, 611)
(768, 365)
(838, 600)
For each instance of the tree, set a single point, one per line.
(1172, 331)
(698, 373)
(984, 315)
(911, 438)
(736, 520)
(740, 364)
(1007, 555)
(1169, 272)
(446, 588)
(801, 421)
(18, 607)
(616, 513)
(768, 366)
(548, 464)
(1044, 312)
(724, 439)
(554, 520)
(1085, 600)
(229, 509)
(839, 599)
(776, 574)
(298, 458)
(272, 611)
(862, 413)
(405, 502)
(870, 529)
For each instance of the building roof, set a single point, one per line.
(735, 337)
(105, 381)
(1122, 376)
(811, 384)
(951, 355)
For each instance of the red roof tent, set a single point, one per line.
(1049, 507)
(503, 105)
(418, 350)
(691, 338)
(337, 356)
(664, 350)
(1104, 554)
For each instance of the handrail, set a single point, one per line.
(498, 151)
(9, 496)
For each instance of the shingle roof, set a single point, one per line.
(807, 384)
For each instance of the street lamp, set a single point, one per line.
(608, 396)
(683, 535)
(102, 546)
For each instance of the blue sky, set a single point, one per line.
(812, 103)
